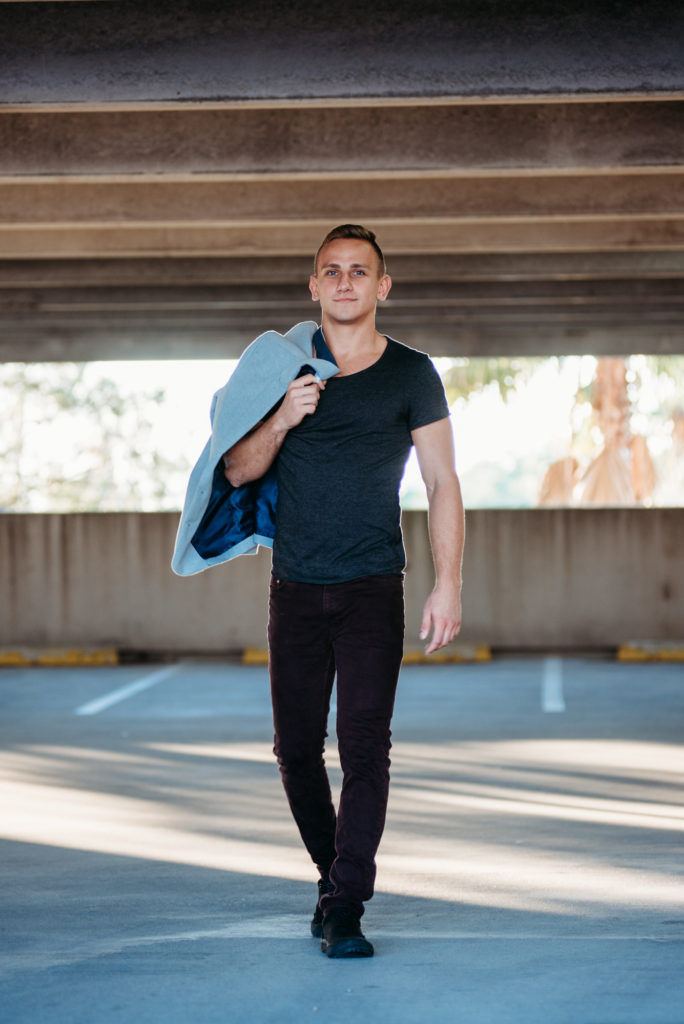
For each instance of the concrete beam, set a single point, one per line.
(394, 320)
(166, 302)
(83, 52)
(274, 270)
(339, 138)
(282, 238)
(214, 199)
(85, 342)
(397, 317)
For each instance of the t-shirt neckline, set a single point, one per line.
(349, 376)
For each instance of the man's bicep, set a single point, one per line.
(434, 444)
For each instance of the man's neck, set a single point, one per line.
(354, 347)
(351, 339)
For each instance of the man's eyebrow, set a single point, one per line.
(336, 266)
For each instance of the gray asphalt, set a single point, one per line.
(531, 870)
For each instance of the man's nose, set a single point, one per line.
(344, 282)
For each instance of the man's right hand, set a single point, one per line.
(253, 454)
(301, 399)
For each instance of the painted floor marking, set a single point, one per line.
(296, 928)
(94, 707)
(552, 685)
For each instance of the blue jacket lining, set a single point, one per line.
(233, 513)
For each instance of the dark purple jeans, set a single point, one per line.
(356, 630)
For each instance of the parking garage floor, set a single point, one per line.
(531, 870)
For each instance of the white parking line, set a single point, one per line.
(291, 930)
(552, 685)
(94, 707)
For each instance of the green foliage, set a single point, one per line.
(468, 376)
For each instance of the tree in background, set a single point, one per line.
(636, 404)
(622, 473)
(464, 377)
(74, 441)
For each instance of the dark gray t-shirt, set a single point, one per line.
(339, 471)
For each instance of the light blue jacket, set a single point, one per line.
(219, 521)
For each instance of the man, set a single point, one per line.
(336, 600)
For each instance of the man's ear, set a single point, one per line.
(313, 288)
(384, 285)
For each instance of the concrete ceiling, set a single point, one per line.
(167, 170)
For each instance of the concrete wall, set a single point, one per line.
(534, 579)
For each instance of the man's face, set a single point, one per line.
(348, 282)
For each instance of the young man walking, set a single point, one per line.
(336, 600)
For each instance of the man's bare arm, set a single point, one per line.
(446, 523)
(253, 454)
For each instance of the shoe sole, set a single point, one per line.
(347, 949)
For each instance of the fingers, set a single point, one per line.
(425, 623)
(306, 379)
(304, 397)
(444, 623)
(442, 634)
(306, 389)
(301, 400)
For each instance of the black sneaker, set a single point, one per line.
(342, 935)
(325, 888)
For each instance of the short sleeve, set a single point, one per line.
(426, 398)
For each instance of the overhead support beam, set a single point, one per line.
(633, 266)
(214, 50)
(212, 199)
(577, 136)
(399, 315)
(488, 296)
(280, 238)
(82, 344)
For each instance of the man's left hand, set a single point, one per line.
(442, 614)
